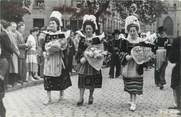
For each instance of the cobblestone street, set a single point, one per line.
(109, 101)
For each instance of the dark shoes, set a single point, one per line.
(117, 76)
(174, 107)
(90, 100)
(80, 103)
(161, 87)
(177, 108)
(179, 113)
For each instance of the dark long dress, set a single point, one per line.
(174, 57)
(88, 76)
(59, 82)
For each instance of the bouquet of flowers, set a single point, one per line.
(150, 38)
(56, 41)
(95, 55)
(55, 46)
(141, 54)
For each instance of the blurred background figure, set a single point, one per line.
(14, 78)
(22, 48)
(41, 37)
(174, 57)
(114, 49)
(70, 51)
(4, 66)
(161, 57)
(31, 60)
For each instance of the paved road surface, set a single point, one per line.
(109, 101)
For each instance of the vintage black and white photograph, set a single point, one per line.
(90, 58)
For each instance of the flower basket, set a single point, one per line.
(141, 54)
(95, 55)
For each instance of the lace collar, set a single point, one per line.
(137, 40)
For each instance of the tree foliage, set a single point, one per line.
(14, 10)
(146, 10)
(95, 7)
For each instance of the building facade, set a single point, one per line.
(41, 10)
(112, 19)
(172, 20)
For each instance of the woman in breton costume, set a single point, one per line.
(132, 72)
(89, 76)
(56, 75)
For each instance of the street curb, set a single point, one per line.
(30, 84)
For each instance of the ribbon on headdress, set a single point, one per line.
(58, 16)
(131, 20)
(91, 18)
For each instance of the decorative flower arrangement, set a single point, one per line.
(96, 50)
(95, 53)
(56, 42)
(141, 54)
(55, 46)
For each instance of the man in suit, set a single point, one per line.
(5, 58)
(14, 76)
(161, 59)
(70, 52)
(22, 48)
(6, 48)
(114, 49)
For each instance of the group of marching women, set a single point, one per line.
(89, 57)
(56, 73)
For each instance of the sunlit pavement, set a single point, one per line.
(109, 101)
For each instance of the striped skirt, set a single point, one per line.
(133, 85)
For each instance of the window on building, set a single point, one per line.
(75, 24)
(168, 24)
(38, 22)
(39, 4)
